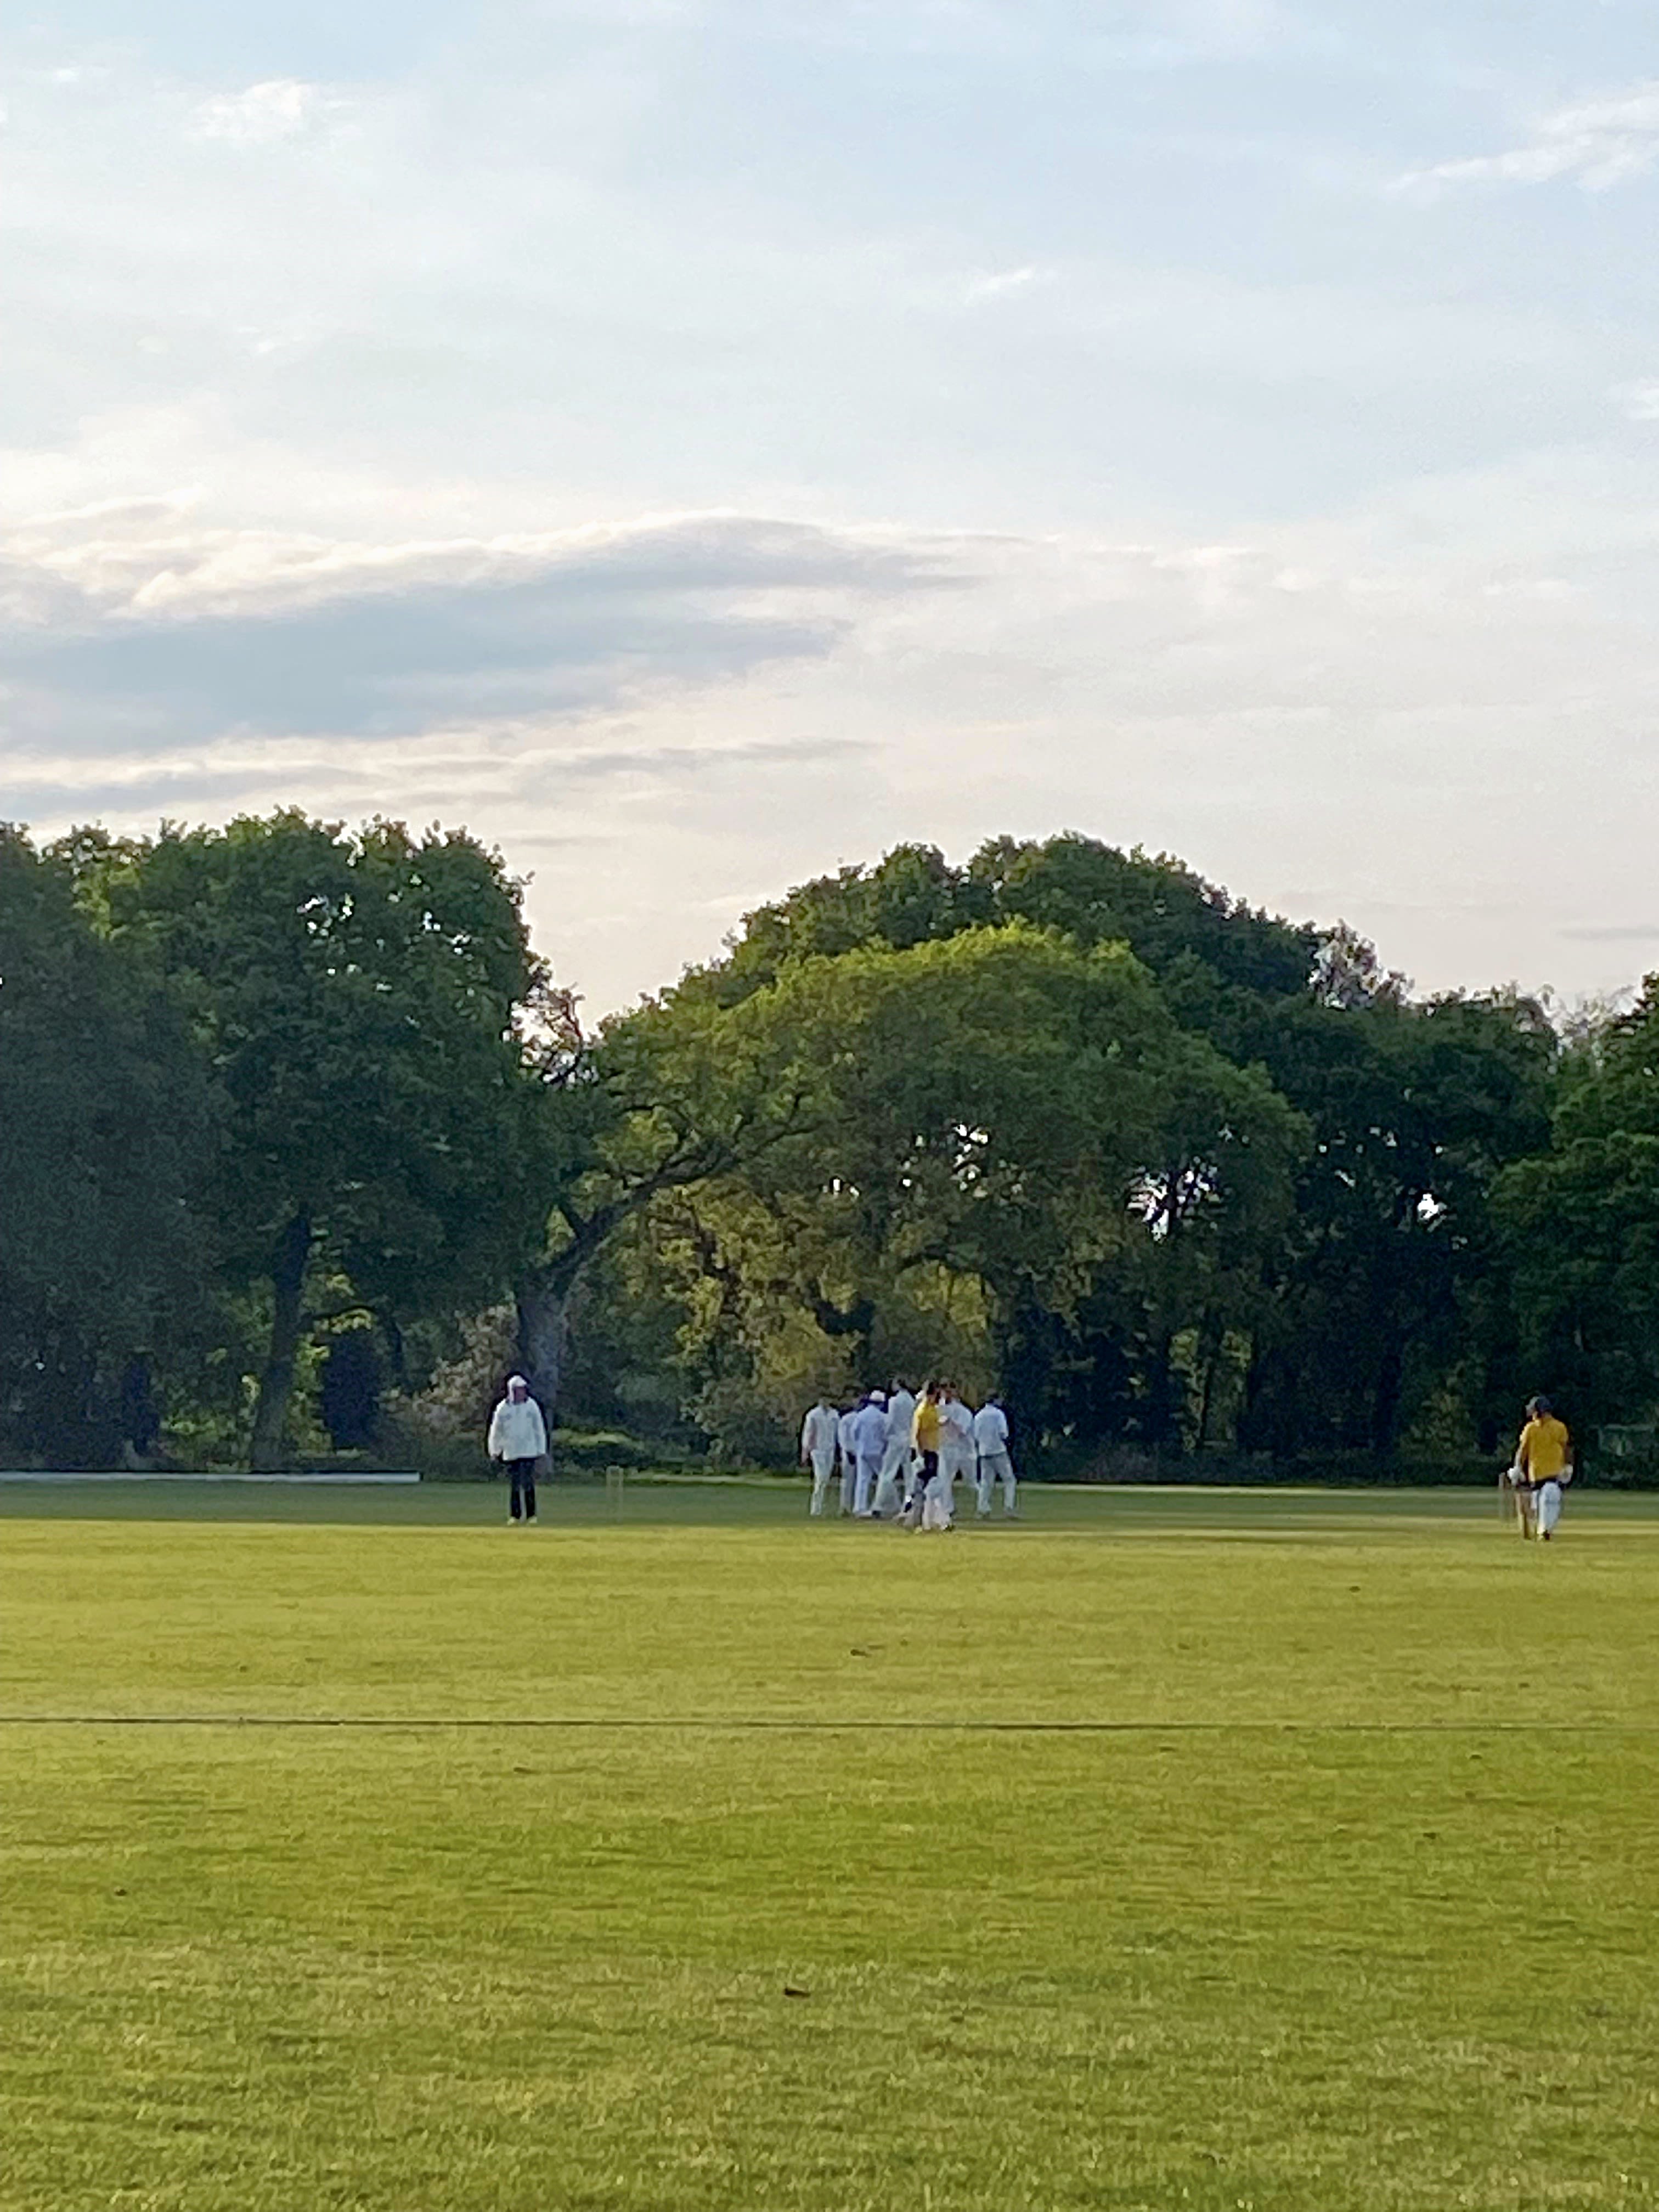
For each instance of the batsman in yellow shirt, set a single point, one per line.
(1542, 1469)
(926, 1435)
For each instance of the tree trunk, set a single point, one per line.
(288, 1278)
(1213, 1339)
(1385, 1400)
(141, 1418)
(1162, 1430)
(543, 1299)
(543, 1303)
(1270, 1392)
(397, 1351)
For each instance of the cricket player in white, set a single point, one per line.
(896, 1461)
(991, 1442)
(870, 1444)
(849, 1454)
(818, 1450)
(956, 1444)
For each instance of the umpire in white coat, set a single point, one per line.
(518, 1435)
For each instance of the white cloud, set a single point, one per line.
(125, 630)
(997, 283)
(149, 557)
(280, 108)
(1601, 143)
(1638, 402)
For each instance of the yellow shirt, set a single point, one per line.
(925, 1428)
(1544, 1449)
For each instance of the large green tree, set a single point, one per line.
(1196, 939)
(1580, 1217)
(366, 1003)
(999, 1109)
(683, 1089)
(1386, 1291)
(108, 1133)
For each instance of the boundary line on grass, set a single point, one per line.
(52, 1478)
(435, 1722)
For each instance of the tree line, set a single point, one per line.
(300, 1146)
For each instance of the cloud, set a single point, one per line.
(281, 107)
(457, 772)
(140, 558)
(124, 628)
(997, 283)
(1600, 142)
(1632, 933)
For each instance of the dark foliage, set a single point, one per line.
(109, 1138)
(349, 1396)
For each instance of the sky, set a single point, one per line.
(697, 444)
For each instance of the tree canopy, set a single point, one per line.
(109, 1140)
(292, 1112)
(357, 1000)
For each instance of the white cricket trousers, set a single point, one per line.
(936, 1500)
(824, 1467)
(894, 1461)
(955, 1464)
(1548, 1506)
(869, 1469)
(848, 1482)
(996, 1467)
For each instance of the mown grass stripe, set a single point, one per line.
(819, 1725)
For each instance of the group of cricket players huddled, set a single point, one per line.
(1540, 1471)
(902, 1454)
(900, 1457)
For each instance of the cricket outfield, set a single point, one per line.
(1275, 1851)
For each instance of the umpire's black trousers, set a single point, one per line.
(523, 1475)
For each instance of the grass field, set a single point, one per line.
(1261, 1852)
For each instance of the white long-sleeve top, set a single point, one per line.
(817, 1431)
(844, 1433)
(517, 1432)
(990, 1430)
(870, 1432)
(900, 1415)
(955, 1417)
